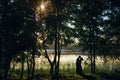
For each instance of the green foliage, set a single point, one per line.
(17, 27)
(112, 27)
(94, 23)
(17, 30)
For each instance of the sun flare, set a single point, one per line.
(42, 6)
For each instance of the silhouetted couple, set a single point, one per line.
(78, 66)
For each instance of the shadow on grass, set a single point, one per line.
(74, 77)
(58, 77)
(88, 77)
(110, 76)
(102, 76)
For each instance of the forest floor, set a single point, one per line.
(68, 76)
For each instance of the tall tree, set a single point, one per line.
(112, 28)
(88, 22)
(55, 31)
(17, 30)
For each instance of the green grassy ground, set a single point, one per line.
(104, 71)
(43, 74)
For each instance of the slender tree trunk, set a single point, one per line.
(58, 65)
(91, 48)
(91, 59)
(94, 62)
(94, 50)
(46, 55)
(22, 62)
(52, 67)
(59, 52)
(33, 65)
(7, 67)
(28, 70)
(28, 67)
(56, 52)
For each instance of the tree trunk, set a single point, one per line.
(91, 59)
(91, 48)
(56, 52)
(28, 67)
(59, 52)
(7, 67)
(94, 62)
(33, 65)
(52, 67)
(50, 62)
(22, 61)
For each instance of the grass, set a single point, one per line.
(109, 75)
(68, 74)
(46, 76)
(67, 70)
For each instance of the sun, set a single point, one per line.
(42, 7)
